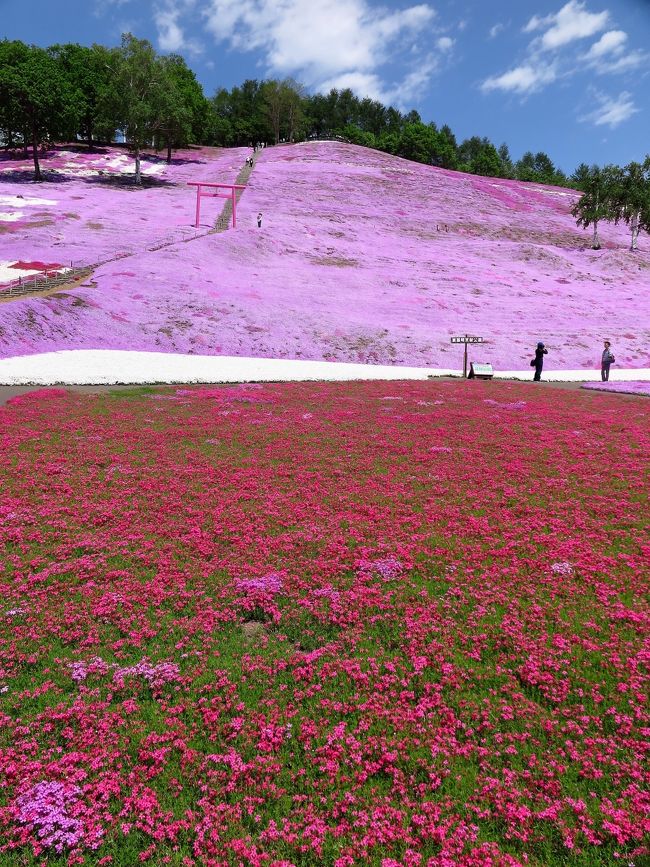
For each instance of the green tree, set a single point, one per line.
(595, 204)
(389, 142)
(293, 101)
(447, 156)
(273, 101)
(181, 105)
(507, 165)
(418, 142)
(372, 116)
(192, 96)
(316, 115)
(525, 167)
(134, 94)
(543, 168)
(220, 122)
(358, 136)
(539, 169)
(631, 198)
(35, 96)
(240, 116)
(394, 121)
(86, 70)
(479, 156)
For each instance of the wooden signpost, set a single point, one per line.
(466, 338)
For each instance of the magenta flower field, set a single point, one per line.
(346, 624)
(361, 257)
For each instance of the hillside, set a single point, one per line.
(349, 265)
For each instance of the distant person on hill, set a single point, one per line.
(538, 361)
(606, 360)
(259, 220)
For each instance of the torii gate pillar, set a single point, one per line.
(232, 195)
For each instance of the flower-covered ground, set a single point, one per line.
(88, 209)
(620, 387)
(362, 257)
(375, 624)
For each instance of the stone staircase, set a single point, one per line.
(225, 217)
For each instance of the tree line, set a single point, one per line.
(71, 91)
(66, 92)
(614, 194)
(276, 111)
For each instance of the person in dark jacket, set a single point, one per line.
(540, 352)
(607, 359)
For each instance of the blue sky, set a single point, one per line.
(570, 78)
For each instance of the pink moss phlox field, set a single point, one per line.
(362, 257)
(324, 624)
(642, 388)
(89, 211)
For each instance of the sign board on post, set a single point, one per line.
(466, 338)
(480, 371)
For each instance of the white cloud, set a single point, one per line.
(608, 54)
(494, 31)
(536, 22)
(572, 22)
(327, 43)
(102, 6)
(400, 94)
(522, 79)
(403, 94)
(550, 55)
(366, 83)
(611, 111)
(171, 34)
(624, 62)
(611, 42)
(445, 43)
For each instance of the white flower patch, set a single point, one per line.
(76, 172)
(25, 201)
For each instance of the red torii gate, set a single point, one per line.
(232, 195)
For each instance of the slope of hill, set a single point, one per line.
(89, 210)
(361, 257)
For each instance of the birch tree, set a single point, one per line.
(595, 203)
(631, 199)
(132, 98)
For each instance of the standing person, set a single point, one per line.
(538, 361)
(259, 220)
(606, 359)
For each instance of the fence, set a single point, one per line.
(38, 283)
